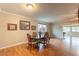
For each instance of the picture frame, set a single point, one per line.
(11, 26)
(33, 27)
(24, 25)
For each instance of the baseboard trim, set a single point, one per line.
(12, 45)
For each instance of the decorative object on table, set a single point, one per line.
(24, 25)
(33, 27)
(11, 26)
(39, 34)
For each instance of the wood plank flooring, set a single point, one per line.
(25, 50)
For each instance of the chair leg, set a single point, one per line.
(29, 45)
(32, 45)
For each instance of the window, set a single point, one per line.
(66, 29)
(42, 28)
(71, 35)
(75, 29)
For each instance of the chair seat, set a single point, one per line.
(33, 42)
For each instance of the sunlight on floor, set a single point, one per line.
(72, 43)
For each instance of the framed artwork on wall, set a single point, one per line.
(24, 25)
(33, 27)
(11, 26)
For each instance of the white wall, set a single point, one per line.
(57, 30)
(49, 28)
(8, 38)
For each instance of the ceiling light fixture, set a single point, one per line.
(29, 6)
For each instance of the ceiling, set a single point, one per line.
(43, 12)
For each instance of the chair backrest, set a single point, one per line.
(29, 37)
(46, 35)
(34, 34)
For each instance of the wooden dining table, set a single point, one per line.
(39, 40)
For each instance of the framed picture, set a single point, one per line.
(12, 26)
(33, 27)
(24, 25)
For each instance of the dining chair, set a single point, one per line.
(30, 41)
(47, 38)
(34, 35)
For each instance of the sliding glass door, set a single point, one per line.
(71, 35)
(66, 36)
(75, 36)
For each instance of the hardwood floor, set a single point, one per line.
(25, 50)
